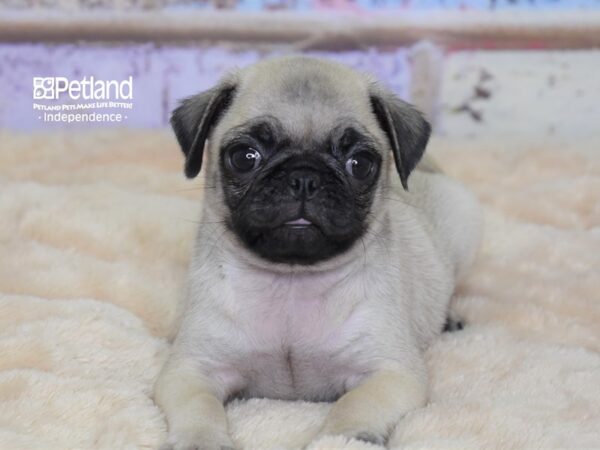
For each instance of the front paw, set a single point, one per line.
(195, 440)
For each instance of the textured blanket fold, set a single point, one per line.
(96, 230)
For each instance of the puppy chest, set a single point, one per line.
(300, 353)
(295, 373)
(297, 339)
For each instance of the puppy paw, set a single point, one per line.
(453, 324)
(197, 441)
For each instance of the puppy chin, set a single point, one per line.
(296, 242)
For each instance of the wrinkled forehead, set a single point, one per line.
(309, 104)
(268, 130)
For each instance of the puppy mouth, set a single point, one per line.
(298, 238)
(299, 223)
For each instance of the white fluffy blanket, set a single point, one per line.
(95, 234)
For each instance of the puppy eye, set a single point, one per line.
(245, 159)
(360, 165)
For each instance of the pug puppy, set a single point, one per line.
(320, 271)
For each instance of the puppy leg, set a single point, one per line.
(453, 324)
(195, 412)
(371, 410)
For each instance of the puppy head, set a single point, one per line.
(302, 148)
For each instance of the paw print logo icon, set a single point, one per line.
(43, 88)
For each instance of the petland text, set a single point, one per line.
(88, 88)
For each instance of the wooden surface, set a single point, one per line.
(335, 31)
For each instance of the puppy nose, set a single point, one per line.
(304, 183)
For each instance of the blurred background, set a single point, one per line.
(97, 219)
(476, 67)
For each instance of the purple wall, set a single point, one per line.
(307, 5)
(161, 76)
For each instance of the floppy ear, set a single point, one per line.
(193, 120)
(406, 129)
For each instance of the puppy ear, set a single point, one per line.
(406, 129)
(193, 120)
